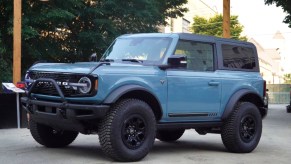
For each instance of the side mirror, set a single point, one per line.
(177, 61)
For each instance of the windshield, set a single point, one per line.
(137, 49)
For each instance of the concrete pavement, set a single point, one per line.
(18, 147)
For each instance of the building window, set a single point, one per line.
(185, 25)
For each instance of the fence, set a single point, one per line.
(279, 93)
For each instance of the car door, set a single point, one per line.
(194, 91)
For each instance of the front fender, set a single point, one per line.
(117, 93)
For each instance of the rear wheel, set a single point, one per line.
(241, 132)
(49, 137)
(128, 131)
(289, 109)
(169, 135)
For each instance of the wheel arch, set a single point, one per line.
(138, 92)
(245, 95)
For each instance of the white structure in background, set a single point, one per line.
(266, 62)
(183, 24)
(272, 50)
(272, 57)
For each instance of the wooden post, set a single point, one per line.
(16, 41)
(226, 18)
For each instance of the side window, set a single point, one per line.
(238, 57)
(199, 55)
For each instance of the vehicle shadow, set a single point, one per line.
(83, 151)
(89, 151)
(94, 153)
(187, 146)
(79, 153)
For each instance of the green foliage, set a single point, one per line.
(287, 78)
(286, 6)
(5, 41)
(71, 30)
(5, 71)
(213, 27)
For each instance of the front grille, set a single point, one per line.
(55, 76)
(47, 88)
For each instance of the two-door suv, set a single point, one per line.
(149, 86)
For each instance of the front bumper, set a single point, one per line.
(62, 115)
(63, 109)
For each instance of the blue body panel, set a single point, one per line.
(182, 91)
(192, 92)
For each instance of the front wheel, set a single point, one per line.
(241, 132)
(128, 131)
(49, 137)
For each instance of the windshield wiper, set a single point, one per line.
(133, 60)
(106, 60)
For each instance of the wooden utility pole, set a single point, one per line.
(226, 18)
(16, 41)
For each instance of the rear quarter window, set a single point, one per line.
(238, 57)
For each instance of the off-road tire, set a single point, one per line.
(241, 132)
(169, 135)
(49, 137)
(128, 131)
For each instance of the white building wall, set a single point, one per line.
(276, 47)
(270, 67)
(195, 7)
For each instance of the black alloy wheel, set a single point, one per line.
(248, 128)
(134, 131)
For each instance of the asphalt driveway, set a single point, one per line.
(17, 146)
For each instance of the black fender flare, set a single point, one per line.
(117, 93)
(234, 99)
(149, 97)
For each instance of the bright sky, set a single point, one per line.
(257, 18)
(260, 21)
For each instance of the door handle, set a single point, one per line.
(213, 83)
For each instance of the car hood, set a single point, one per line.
(81, 67)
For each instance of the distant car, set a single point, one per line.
(289, 106)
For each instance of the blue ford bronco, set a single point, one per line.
(149, 86)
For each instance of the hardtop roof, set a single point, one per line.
(188, 36)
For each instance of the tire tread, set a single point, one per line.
(229, 132)
(105, 131)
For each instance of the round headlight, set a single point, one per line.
(86, 88)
